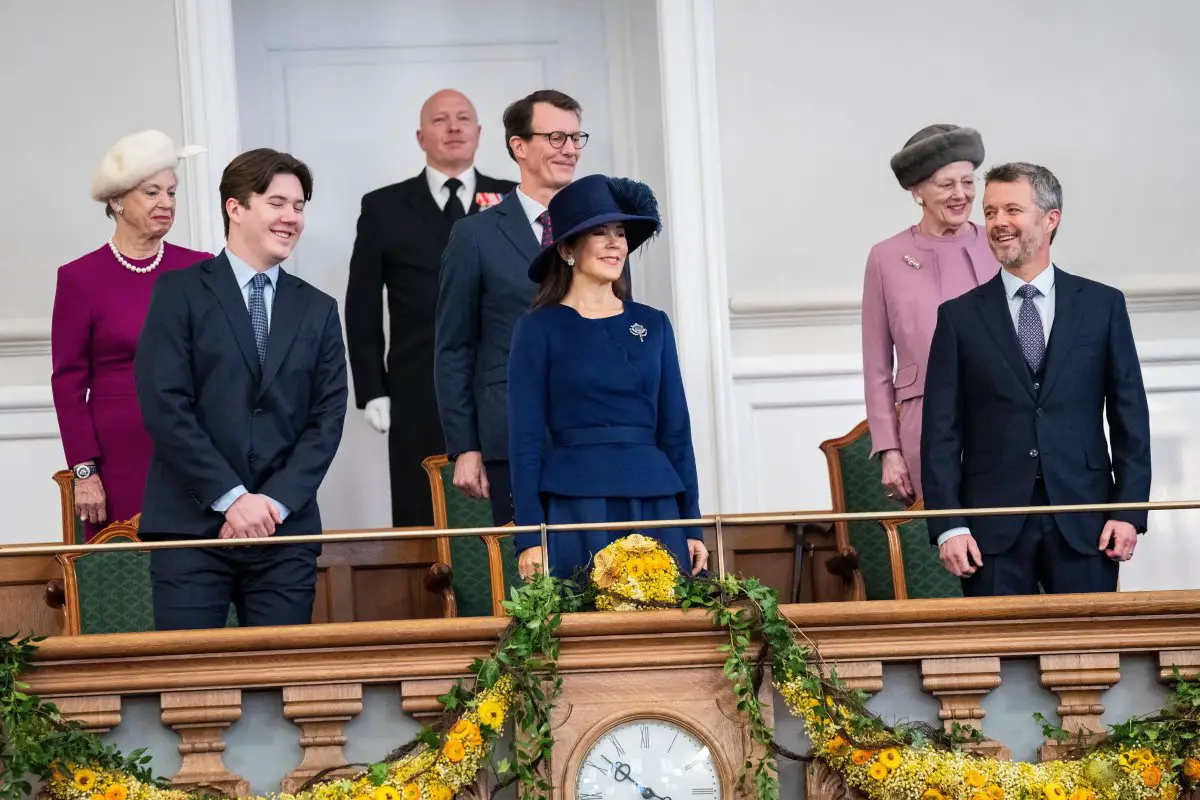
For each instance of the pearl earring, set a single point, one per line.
(570, 261)
(120, 209)
(918, 201)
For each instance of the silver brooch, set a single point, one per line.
(912, 262)
(637, 330)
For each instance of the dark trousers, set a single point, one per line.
(193, 587)
(409, 443)
(1042, 556)
(500, 481)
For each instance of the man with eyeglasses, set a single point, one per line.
(485, 288)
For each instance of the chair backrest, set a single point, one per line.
(855, 484)
(482, 566)
(110, 592)
(917, 571)
(72, 526)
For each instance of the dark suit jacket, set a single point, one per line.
(401, 236)
(988, 427)
(484, 290)
(218, 419)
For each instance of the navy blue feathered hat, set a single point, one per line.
(597, 200)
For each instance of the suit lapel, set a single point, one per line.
(286, 313)
(998, 321)
(219, 278)
(425, 207)
(1067, 309)
(516, 227)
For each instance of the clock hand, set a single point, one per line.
(620, 771)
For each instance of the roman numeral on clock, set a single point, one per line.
(645, 737)
(701, 791)
(592, 796)
(616, 745)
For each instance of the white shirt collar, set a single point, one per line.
(1044, 282)
(245, 273)
(533, 209)
(437, 182)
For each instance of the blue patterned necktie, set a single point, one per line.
(547, 232)
(1030, 333)
(258, 315)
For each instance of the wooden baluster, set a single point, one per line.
(1186, 661)
(1079, 679)
(322, 713)
(200, 719)
(960, 685)
(99, 714)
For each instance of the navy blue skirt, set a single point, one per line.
(571, 552)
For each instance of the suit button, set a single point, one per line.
(1033, 453)
(1036, 386)
(1039, 412)
(258, 411)
(253, 456)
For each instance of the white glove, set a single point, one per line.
(379, 413)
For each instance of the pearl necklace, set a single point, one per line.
(139, 270)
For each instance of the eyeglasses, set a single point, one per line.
(559, 138)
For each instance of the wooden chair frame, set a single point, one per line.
(66, 500)
(433, 469)
(892, 528)
(71, 621)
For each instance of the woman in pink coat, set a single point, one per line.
(908, 276)
(99, 307)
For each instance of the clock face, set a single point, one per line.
(648, 758)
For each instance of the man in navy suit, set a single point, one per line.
(1022, 372)
(484, 288)
(241, 378)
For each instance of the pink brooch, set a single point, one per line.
(912, 262)
(487, 199)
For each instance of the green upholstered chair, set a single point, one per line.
(855, 483)
(72, 526)
(110, 592)
(482, 567)
(917, 572)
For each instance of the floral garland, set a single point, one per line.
(1154, 758)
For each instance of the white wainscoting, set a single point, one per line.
(786, 406)
(30, 454)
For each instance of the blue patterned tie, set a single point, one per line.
(1030, 333)
(258, 315)
(547, 232)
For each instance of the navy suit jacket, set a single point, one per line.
(217, 419)
(484, 288)
(988, 427)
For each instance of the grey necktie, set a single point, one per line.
(1030, 332)
(258, 315)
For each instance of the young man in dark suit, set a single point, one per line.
(1022, 372)
(402, 231)
(241, 379)
(485, 288)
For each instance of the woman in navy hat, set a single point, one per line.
(601, 373)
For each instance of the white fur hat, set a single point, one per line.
(135, 158)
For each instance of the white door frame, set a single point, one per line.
(695, 212)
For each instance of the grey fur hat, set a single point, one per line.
(934, 147)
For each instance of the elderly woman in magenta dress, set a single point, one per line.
(601, 374)
(99, 306)
(908, 276)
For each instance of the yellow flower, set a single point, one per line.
(412, 792)
(118, 792)
(890, 758)
(491, 713)
(979, 796)
(455, 751)
(96, 797)
(1191, 769)
(878, 771)
(974, 778)
(1083, 794)
(995, 792)
(85, 779)
(1054, 791)
(932, 794)
(386, 793)
(861, 757)
(439, 792)
(838, 746)
(1144, 756)
(1152, 776)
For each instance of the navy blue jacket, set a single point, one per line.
(610, 392)
(988, 427)
(218, 419)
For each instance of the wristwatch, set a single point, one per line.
(84, 471)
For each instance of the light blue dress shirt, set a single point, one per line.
(244, 273)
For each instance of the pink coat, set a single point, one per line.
(899, 313)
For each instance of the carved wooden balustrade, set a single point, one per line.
(319, 672)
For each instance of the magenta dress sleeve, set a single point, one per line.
(70, 354)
